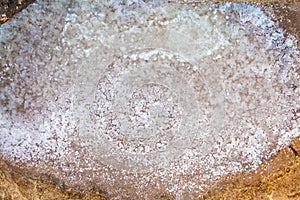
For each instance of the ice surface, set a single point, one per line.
(146, 97)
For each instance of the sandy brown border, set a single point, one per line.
(8, 8)
(278, 178)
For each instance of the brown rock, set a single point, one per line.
(275, 179)
(10, 7)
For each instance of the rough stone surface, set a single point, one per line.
(8, 8)
(274, 180)
(139, 125)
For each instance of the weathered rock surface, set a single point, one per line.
(8, 8)
(275, 179)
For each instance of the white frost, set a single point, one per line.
(146, 97)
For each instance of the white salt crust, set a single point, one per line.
(145, 98)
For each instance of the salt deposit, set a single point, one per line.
(140, 99)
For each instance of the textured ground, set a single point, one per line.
(265, 183)
(8, 8)
(277, 179)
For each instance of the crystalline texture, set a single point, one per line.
(145, 98)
